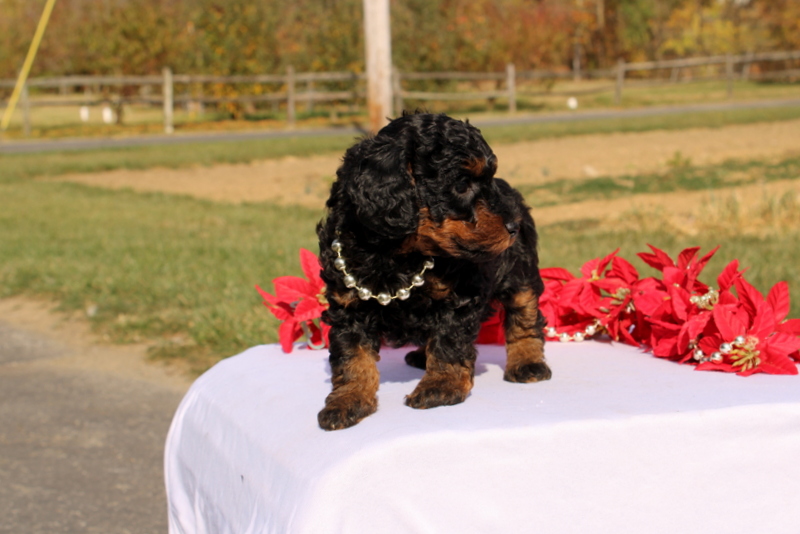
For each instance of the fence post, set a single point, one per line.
(290, 99)
(620, 81)
(397, 91)
(511, 85)
(310, 96)
(26, 111)
(746, 66)
(729, 73)
(168, 100)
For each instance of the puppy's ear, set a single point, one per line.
(378, 181)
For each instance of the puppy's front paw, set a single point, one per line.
(343, 411)
(439, 391)
(528, 372)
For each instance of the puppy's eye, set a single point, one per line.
(462, 187)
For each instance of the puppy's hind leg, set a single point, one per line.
(417, 358)
(524, 339)
(355, 380)
(449, 374)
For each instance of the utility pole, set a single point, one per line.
(26, 66)
(378, 43)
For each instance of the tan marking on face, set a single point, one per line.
(487, 234)
(476, 166)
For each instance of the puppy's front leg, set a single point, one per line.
(449, 373)
(524, 338)
(355, 380)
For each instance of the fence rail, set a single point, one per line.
(283, 88)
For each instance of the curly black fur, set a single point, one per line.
(424, 186)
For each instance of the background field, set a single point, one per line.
(178, 271)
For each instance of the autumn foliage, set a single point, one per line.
(265, 36)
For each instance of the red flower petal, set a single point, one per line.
(728, 275)
(308, 309)
(748, 295)
(311, 267)
(710, 366)
(658, 260)
(289, 332)
(282, 311)
(781, 343)
(556, 273)
(701, 263)
(764, 321)
(686, 256)
(622, 269)
(266, 296)
(777, 364)
(293, 288)
(778, 298)
(728, 322)
(792, 326)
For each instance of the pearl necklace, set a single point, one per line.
(364, 293)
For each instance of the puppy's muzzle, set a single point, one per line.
(513, 229)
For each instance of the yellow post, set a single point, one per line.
(26, 67)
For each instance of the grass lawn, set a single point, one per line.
(181, 272)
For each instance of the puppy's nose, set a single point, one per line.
(513, 228)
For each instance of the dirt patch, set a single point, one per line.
(680, 205)
(88, 350)
(307, 181)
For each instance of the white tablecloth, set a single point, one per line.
(618, 441)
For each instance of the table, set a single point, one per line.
(618, 441)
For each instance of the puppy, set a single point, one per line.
(419, 240)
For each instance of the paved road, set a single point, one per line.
(15, 147)
(80, 450)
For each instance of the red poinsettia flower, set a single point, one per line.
(677, 307)
(747, 338)
(571, 305)
(298, 303)
(684, 271)
(677, 317)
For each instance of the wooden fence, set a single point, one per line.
(285, 89)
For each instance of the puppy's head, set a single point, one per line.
(427, 182)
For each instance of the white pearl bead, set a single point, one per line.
(725, 348)
(417, 280)
(336, 246)
(716, 357)
(551, 331)
(364, 293)
(698, 354)
(403, 294)
(428, 264)
(739, 340)
(563, 338)
(350, 281)
(579, 336)
(339, 264)
(384, 298)
(591, 330)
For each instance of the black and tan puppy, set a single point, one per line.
(419, 240)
